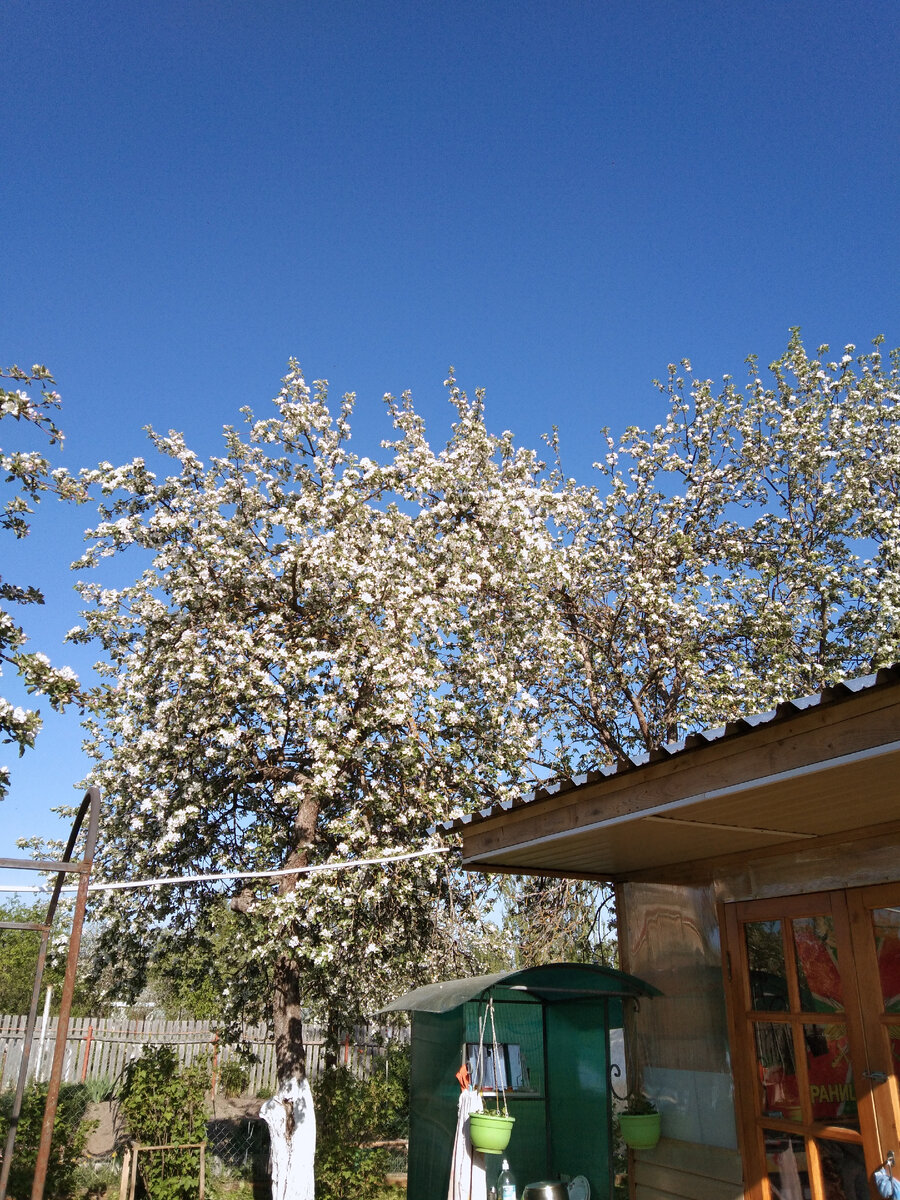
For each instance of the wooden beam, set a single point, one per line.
(550, 872)
(48, 864)
(703, 870)
(781, 833)
(801, 743)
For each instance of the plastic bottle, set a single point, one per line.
(506, 1183)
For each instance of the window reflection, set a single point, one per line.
(786, 1167)
(768, 976)
(777, 1072)
(886, 922)
(818, 979)
(843, 1171)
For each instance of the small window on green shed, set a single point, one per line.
(507, 1072)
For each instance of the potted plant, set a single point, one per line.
(639, 1124)
(490, 1131)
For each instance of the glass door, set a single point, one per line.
(811, 1125)
(875, 922)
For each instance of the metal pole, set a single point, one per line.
(91, 802)
(40, 1057)
(23, 1066)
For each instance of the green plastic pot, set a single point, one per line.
(640, 1132)
(490, 1132)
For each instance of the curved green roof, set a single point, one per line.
(547, 984)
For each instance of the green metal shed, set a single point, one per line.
(553, 1022)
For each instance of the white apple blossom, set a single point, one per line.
(321, 657)
(324, 655)
(27, 476)
(745, 551)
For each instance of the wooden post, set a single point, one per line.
(87, 1052)
(125, 1181)
(215, 1067)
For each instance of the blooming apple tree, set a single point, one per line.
(322, 656)
(28, 475)
(743, 551)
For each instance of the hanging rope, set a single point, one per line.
(498, 1077)
(213, 877)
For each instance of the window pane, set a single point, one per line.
(886, 922)
(786, 1167)
(777, 1072)
(831, 1087)
(843, 1171)
(768, 977)
(893, 1032)
(506, 1070)
(817, 967)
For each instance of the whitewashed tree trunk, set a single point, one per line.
(292, 1133)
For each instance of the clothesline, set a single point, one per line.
(216, 876)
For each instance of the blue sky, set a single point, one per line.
(558, 199)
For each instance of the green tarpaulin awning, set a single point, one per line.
(551, 983)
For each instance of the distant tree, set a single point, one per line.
(558, 920)
(28, 476)
(19, 950)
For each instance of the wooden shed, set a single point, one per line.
(757, 874)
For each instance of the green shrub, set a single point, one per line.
(99, 1089)
(351, 1112)
(234, 1077)
(96, 1180)
(166, 1106)
(70, 1134)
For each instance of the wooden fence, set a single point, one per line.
(99, 1048)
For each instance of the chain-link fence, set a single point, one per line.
(72, 1130)
(238, 1149)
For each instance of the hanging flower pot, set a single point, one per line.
(490, 1131)
(640, 1131)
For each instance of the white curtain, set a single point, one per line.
(467, 1180)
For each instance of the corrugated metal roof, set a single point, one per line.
(787, 709)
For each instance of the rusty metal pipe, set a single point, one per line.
(91, 802)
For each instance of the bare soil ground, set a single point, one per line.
(107, 1138)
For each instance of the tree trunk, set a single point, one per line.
(289, 1114)
(287, 1018)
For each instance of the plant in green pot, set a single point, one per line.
(490, 1131)
(639, 1124)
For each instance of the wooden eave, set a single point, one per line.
(815, 772)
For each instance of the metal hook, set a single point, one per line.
(615, 1072)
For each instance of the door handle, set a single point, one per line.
(875, 1076)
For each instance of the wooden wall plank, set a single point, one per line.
(710, 1162)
